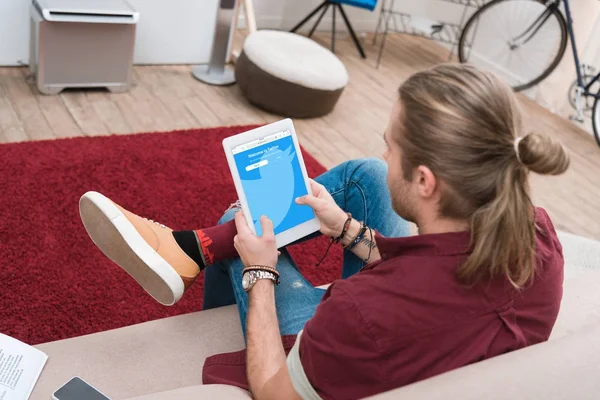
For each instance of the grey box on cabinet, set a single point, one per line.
(82, 43)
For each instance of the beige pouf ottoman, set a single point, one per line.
(289, 75)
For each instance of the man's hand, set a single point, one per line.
(254, 250)
(331, 215)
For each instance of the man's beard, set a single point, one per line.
(402, 202)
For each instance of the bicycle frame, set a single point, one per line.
(586, 88)
(537, 24)
(530, 32)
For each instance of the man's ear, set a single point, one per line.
(427, 183)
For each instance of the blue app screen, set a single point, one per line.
(272, 179)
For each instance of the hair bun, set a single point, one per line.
(542, 154)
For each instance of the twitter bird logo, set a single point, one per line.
(273, 193)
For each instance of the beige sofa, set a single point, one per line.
(162, 360)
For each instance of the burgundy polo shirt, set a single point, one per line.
(407, 318)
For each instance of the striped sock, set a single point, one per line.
(208, 245)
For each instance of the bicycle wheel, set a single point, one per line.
(596, 120)
(493, 39)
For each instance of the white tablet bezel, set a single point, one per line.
(291, 235)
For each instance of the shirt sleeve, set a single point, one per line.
(337, 350)
(298, 377)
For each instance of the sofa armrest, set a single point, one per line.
(199, 392)
(562, 369)
(145, 358)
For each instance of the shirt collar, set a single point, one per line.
(438, 244)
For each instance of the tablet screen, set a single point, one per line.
(272, 178)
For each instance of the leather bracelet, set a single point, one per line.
(333, 240)
(357, 238)
(370, 247)
(344, 229)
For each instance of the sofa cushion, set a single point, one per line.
(580, 253)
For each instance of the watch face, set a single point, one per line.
(246, 281)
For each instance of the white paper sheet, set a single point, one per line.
(20, 368)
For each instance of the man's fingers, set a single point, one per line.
(241, 224)
(267, 227)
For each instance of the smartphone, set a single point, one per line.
(78, 389)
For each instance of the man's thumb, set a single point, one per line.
(309, 200)
(267, 225)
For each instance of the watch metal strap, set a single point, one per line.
(262, 274)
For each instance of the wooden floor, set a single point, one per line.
(167, 97)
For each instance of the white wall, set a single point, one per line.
(180, 32)
(14, 31)
(285, 14)
(173, 32)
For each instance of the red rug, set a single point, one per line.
(54, 283)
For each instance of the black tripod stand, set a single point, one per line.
(324, 7)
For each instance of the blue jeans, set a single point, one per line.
(358, 187)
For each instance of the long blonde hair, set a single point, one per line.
(466, 126)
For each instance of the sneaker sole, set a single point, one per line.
(118, 239)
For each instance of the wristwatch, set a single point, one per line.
(250, 278)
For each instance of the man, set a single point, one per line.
(483, 277)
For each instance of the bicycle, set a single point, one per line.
(536, 29)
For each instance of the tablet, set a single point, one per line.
(269, 174)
